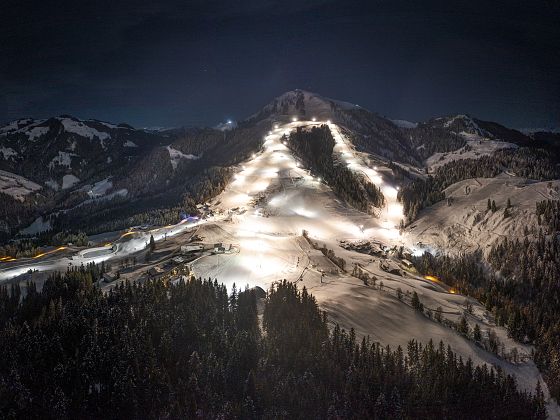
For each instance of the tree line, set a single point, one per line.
(315, 149)
(157, 350)
(523, 162)
(522, 291)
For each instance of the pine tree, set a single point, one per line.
(463, 327)
(477, 335)
(152, 243)
(415, 301)
(395, 404)
(540, 412)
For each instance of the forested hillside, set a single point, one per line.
(529, 163)
(315, 148)
(190, 350)
(524, 292)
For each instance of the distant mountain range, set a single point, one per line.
(63, 162)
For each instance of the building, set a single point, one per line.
(407, 263)
(155, 271)
(219, 250)
(178, 260)
(188, 249)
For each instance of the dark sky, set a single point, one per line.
(172, 63)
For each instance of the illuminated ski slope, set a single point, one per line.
(276, 199)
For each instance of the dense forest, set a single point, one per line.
(523, 295)
(156, 185)
(189, 350)
(315, 148)
(523, 162)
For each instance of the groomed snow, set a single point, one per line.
(262, 213)
(270, 247)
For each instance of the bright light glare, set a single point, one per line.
(314, 119)
(294, 119)
(300, 211)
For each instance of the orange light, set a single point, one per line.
(40, 255)
(432, 278)
(452, 291)
(127, 234)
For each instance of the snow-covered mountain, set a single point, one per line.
(65, 158)
(64, 151)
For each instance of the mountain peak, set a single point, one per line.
(301, 103)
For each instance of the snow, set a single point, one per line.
(69, 181)
(36, 227)
(16, 185)
(225, 126)
(14, 126)
(480, 146)
(404, 124)
(52, 184)
(467, 225)
(129, 143)
(316, 106)
(62, 159)
(267, 244)
(176, 155)
(28, 126)
(8, 152)
(78, 127)
(106, 124)
(37, 132)
(271, 248)
(100, 188)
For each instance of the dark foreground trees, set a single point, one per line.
(190, 350)
(524, 297)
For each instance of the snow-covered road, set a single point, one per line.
(135, 241)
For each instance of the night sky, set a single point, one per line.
(174, 63)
